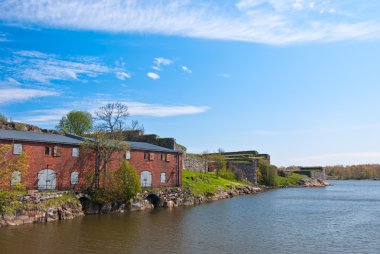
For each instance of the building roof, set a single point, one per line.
(70, 140)
(37, 137)
(149, 147)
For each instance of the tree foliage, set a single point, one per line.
(126, 183)
(367, 171)
(3, 118)
(9, 163)
(76, 122)
(267, 174)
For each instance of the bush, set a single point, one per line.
(267, 174)
(120, 186)
(227, 174)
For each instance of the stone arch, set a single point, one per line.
(154, 199)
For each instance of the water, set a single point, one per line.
(344, 218)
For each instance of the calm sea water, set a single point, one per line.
(344, 218)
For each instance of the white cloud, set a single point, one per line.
(186, 69)
(122, 75)
(160, 61)
(43, 68)
(142, 109)
(153, 75)
(14, 95)
(263, 21)
(52, 116)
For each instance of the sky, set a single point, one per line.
(297, 79)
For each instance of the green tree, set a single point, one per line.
(76, 122)
(9, 163)
(267, 174)
(3, 118)
(126, 182)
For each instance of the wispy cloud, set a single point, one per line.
(186, 69)
(40, 67)
(153, 75)
(263, 21)
(52, 116)
(225, 75)
(122, 75)
(159, 62)
(12, 91)
(15, 95)
(142, 109)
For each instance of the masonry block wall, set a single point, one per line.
(164, 172)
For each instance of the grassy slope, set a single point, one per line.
(292, 180)
(206, 183)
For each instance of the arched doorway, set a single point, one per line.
(146, 179)
(47, 179)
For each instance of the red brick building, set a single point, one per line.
(58, 162)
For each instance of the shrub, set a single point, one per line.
(120, 186)
(227, 174)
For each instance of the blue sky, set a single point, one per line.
(297, 79)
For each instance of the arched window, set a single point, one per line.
(47, 179)
(74, 177)
(16, 178)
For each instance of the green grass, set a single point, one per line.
(206, 183)
(291, 180)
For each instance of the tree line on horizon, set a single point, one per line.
(358, 172)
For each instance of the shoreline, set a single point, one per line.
(40, 207)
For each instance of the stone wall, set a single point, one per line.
(249, 170)
(194, 164)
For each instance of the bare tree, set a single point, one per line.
(108, 138)
(135, 125)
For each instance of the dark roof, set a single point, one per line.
(149, 147)
(70, 140)
(37, 137)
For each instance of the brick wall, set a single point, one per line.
(65, 164)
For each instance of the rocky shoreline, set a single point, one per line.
(39, 207)
(36, 207)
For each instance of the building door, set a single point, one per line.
(146, 179)
(47, 179)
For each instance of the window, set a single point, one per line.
(17, 148)
(16, 178)
(128, 155)
(163, 156)
(168, 157)
(75, 152)
(149, 156)
(56, 151)
(48, 150)
(163, 177)
(74, 177)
